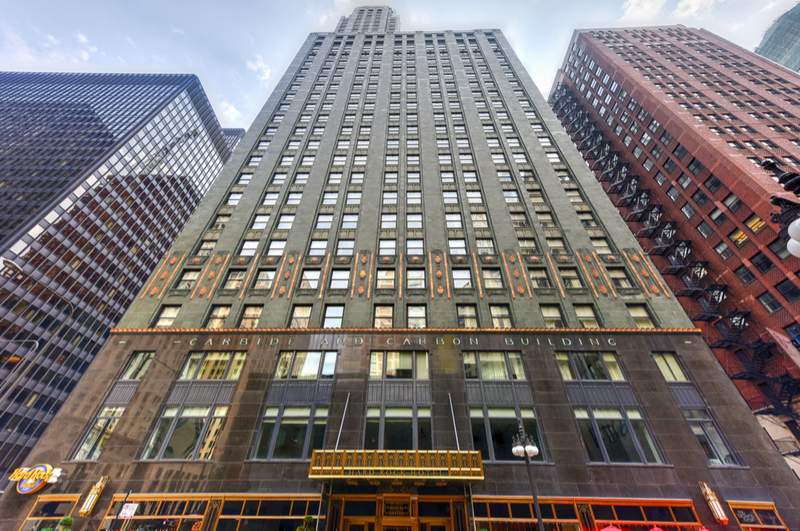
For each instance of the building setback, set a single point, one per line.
(674, 122)
(98, 173)
(405, 261)
(781, 41)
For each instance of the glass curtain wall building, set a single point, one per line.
(98, 173)
(405, 264)
(675, 123)
(781, 41)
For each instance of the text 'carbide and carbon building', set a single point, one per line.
(98, 173)
(675, 122)
(405, 262)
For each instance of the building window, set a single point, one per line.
(309, 279)
(340, 279)
(206, 247)
(301, 316)
(385, 279)
(408, 365)
(462, 278)
(494, 366)
(383, 316)
(248, 248)
(216, 318)
(641, 316)
(769, 302)
(619, 278)
(603, 366)
(553, 318)
(398, 428)
(709, 437)
(492, 278)
(587, 317)
(166, 316)
(415, 279)
(264, 279)
(306, 365)
(612, 435)
(188, 279)
(416, 316)
(415, 247)
(386, 247)
(789, 290)
(251, 314)
(98, 434)
(187, 432)
(457, 247)
(493, 430)
(467, 315)
(334, 313)
(213, 366)
(235, 279)
(501, 316)
(291, 432)
(345, 247)
(571, 278)
(539, 278)
(670, 367)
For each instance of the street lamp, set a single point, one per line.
(523, 445)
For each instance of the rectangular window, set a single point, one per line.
(494, 366)
(383, 316)
(641, 316)
(251, 314)
(235, 279)
(306, 365)
(276, 247)
(309, 279)
(405, 365)
(614, 435)
(670, 367)
(709, 437)
(457, 246)
(619, 278)
(248, 248)
(416, 316)
(188, 279)
(301, 316)
(493, 430)
(539, 278)
(467, 315)
(587, 317)
(415, 279)
(553, 318)
(334, 314)
(345, 247)
(213, 366)
(264, 279)
(587, 366)
(386, 247)
(186, 433)
(291, 432)
(501, 316)
(98, 434)
(492, 278)
(340, 279)
(398, 428)
(166, 316)
(462, 278)
(571, 278)
(385, 279)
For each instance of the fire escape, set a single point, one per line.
(660, 236)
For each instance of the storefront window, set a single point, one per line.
(493, 430)
(398, 428)
(616, 436)
(296, 432)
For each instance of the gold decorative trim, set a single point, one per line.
(466, 465)
(390, 331)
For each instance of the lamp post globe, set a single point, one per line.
(793, 246)
(531, 450)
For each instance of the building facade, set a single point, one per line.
(781, 41)
(98, 174)
(405, 266)
(675, 123)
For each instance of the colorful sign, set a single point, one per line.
(35, 478)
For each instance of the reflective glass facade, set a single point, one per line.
(99, 174)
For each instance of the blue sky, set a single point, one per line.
(239, 48)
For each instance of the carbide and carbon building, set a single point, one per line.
(404, 271)
(98, 173)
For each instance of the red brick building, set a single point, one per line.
(675, 122)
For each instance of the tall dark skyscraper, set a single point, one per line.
(781, 42)
(405, 270)
(675, 122)
(98, 173)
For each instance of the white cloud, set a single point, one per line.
(176, 30)
(257, 65)
(81, 38)
(691, 8)
(641, 10)
(230, 114)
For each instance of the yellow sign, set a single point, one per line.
(91, 498)
(35, 478)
